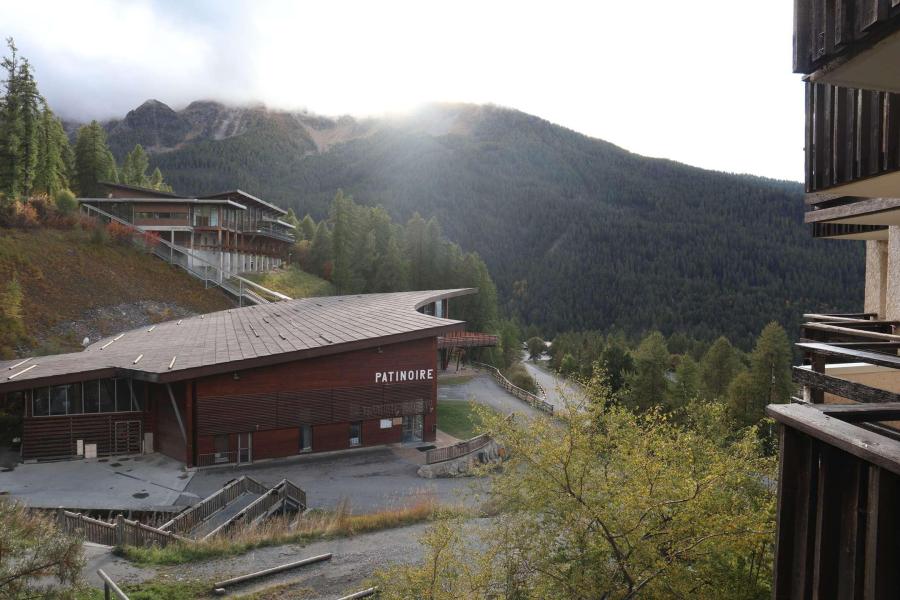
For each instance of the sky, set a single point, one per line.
(704, 82)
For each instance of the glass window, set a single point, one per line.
(91, 396)
(305, 438)
(58, 400)
(74, 393)
(355, 434)
(137, 402)
(15, 402)
(41, 403)
(123, 396)
(107, 395)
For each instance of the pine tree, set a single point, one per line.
(342, 240)
(320, 251)
(52, 170)
(134, 168)
(307, 228)
(717, 369)
(687, 381)
(648, 385)
(94, 163)
(157, 183)
(770, 369)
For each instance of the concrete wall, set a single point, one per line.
(877, 276)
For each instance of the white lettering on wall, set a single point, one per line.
(405, 375)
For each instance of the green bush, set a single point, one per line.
(518, 375)
(65, 202)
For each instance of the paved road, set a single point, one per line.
(554, 386)
(482, 388)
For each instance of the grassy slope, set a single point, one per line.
(457, 418)
(293, 282)
(64, 274)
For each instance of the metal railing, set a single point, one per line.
(506, 384)
(239, 287)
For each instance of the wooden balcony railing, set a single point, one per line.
(839, 466)
(851, 135)
(829, 31)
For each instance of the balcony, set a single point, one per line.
(852, 161)
(270, 230)
(848, 42)
(839, 467)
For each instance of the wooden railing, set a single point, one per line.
(825, 32)
(838, 499)
(437, 455)
(193, 516)
(839, 467)
(257, 509)
(123, 532)
(506, 384)
(851, 134)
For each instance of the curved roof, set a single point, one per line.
(242, 338)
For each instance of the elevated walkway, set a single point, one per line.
(241, 289)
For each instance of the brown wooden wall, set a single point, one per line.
(328, 393)
(167, 437)
(56, 437)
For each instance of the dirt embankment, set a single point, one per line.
(75, 287)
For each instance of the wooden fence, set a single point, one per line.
(270, 501)
(516, 391)
(190, 518)
(123, 532)
(455, 451)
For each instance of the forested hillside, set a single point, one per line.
(577, 232)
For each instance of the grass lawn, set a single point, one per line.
(454, 379)
(457, 418)
(293, 282)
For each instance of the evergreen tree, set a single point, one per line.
(94, 162)
(416, 251)
(157, 183)
(52, 170)
(717, 369)
(617, 362)
(648, 385)
(342, 238)
(687, 382)
(19, 121)
(770, 370)
(320, 251)
(307, 228)
(741, 399)
(134, 169)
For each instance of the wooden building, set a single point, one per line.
(244, 384)
(234, 230)
(838, 523)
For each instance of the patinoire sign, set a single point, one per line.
(405, 375)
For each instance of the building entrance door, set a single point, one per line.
(127, 437)
(412, 428)
(245, 448)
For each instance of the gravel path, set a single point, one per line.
(354, 561)
(482, 388)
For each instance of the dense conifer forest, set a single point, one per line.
(577, 233)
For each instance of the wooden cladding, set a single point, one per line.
(837, 523)
(56, 437)
(283, 409)
(851, 134)
(828, 29)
